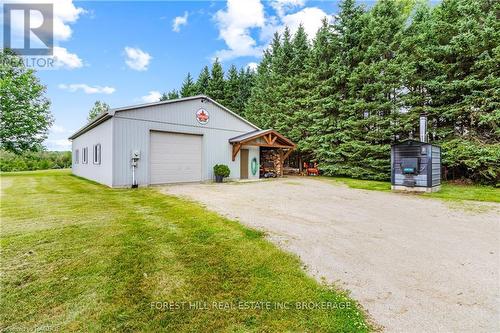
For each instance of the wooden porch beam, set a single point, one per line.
(268, 145)
(236, 149)
(287, 154)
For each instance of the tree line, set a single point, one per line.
(361, 83)
(34, 160)
(344, 95)
(231, 90)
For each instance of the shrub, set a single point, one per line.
(40, 160)
(472, 160)
(221, 170)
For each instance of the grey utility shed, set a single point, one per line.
(416, 166)
(165, 142)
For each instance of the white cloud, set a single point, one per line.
(58, 144)
(310, 18)
(179, 21)
(58, 129)
(153, 96)
(65, 59)
(87, 89)
(252, 66)
(283, 6)
(65, 13)
(137, 59)
(241, 18)
(234, 28)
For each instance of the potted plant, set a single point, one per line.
(221, 171)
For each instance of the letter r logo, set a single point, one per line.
(28, 28)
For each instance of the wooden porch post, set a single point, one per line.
(282, 162)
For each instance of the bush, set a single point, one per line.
(40, 160)
(472, 160)
(221, 170)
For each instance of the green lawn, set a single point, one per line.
(448, 191)
(77, 256)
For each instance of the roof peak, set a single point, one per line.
(111, 112)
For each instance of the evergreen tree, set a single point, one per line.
(296, 103)
(278, 116)
(463, 85)
(259, 108)
(365, 79)
(338, 51)
(203, 81)
(246, 83)
(172, 94)
(323, 73)
(216, 85)
(232, 91)
(188, 87)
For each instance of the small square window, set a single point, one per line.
(97, 154)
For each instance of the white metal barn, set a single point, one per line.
(170, 142)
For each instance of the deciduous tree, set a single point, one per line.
(25, 110)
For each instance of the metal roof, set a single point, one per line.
(106, 115)
(260, 133)
(248, 135)
(412, 141)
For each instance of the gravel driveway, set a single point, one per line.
(415, 264)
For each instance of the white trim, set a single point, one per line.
(85, 155)
(96, 154)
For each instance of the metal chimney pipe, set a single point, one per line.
(423, 128)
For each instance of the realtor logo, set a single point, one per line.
(202, 116)
(28, 28)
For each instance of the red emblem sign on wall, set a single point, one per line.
(202, 116)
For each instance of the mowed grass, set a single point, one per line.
(449, 191)
(77, 256)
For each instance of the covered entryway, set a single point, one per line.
(175, 157)
(265, 139)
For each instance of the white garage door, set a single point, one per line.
(175, 158)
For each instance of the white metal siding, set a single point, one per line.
(103, 172)
(175, 157)
(132, 132)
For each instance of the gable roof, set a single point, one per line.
(260, 133)
(248, 135)
(111, 112)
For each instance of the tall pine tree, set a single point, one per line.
(232, 90)
(216, 85)
(188, 87)
(203, 81)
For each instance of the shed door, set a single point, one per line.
(244, 163)
(175, 158)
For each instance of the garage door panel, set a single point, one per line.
(175, 158)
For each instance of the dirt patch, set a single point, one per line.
(415, 264)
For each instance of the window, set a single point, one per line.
(97, 153)
(85, 155)
(77, 156)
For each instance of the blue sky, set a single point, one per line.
(126, 52)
